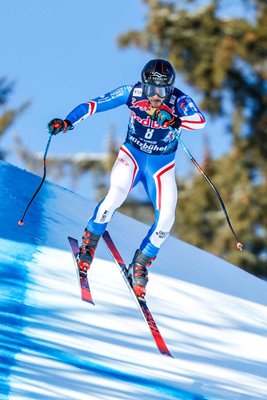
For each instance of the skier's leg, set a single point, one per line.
(162, 190)
(161, 187)
(123, 177)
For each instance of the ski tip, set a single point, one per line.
(71, 239)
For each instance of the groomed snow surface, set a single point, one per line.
(212, 315)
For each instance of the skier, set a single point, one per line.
(158, 113)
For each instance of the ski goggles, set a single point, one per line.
(161, 91)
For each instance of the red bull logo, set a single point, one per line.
(147, 122)
(143, 105)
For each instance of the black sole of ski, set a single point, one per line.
(142, 304)
(86, 294)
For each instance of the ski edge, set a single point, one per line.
(86, 294)
(142, 304)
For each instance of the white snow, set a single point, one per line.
(212, 315)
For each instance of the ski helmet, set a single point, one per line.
(158, 72)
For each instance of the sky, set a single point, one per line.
(53, 346)
(62, 53)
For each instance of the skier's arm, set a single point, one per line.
(110, 100)
(191, 117)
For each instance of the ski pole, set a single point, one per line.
(21, 221)
(239, 245)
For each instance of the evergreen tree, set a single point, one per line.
(8, 116)
(225, 59)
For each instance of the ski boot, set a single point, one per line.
(138, 274)
(87, 251)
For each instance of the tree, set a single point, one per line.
(8, 116)
(225, 59)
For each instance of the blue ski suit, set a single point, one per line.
(147, 156)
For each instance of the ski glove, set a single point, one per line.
(57, 125)
(165, 119)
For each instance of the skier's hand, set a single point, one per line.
(165, 119)
(57, 125)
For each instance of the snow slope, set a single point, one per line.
(212, 315)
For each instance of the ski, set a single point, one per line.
(142, 305)
(83, 280)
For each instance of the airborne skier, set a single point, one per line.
(147, 156)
